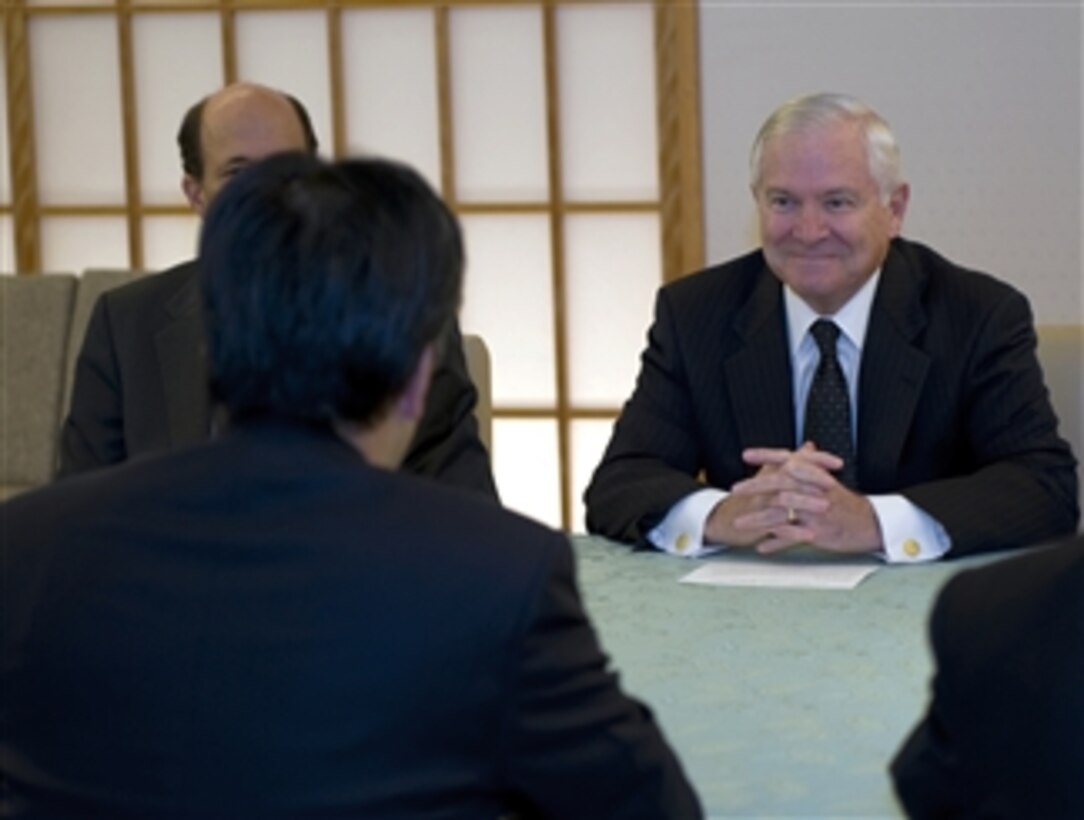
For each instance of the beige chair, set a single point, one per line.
(34, 318)
(1061, 353)
(477, 355)
(43, 321)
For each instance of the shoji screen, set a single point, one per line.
(7, 226)
(563, 133)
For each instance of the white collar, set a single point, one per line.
(852, 318)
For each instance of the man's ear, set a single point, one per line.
(411, 402)
(897, 207)
(193, 192)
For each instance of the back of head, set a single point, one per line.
(323, 285)
(823, 109)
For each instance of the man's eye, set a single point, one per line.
(779, 203)
(839, 203)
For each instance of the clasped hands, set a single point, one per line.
(793, 499)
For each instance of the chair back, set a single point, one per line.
(34, 314)
(477, 355)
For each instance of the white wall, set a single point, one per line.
(985, 101)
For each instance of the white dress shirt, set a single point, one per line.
(908, 533)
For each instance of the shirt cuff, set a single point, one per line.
(909, 534)
(681, 532)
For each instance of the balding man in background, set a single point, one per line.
(140, 381)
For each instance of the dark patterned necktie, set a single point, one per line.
(828, 408)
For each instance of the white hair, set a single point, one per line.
(814, 110)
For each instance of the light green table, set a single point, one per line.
(780, 703)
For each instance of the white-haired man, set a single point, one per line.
(923, 429)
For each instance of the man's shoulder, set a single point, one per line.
(939, 275)
(1041, 567)
(135, 309)
(729, 282)
(431, 514)
(41, 511)
(477, 521)
(425, 516)
(1036, 587)
(153, 289)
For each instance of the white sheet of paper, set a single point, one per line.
(781, 572)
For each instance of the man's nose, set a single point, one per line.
(810, 224)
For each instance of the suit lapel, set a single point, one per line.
(182, 359)
(758, 375)
(893, 371)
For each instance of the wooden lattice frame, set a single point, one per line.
(679, 205)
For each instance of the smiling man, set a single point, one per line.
(840, 387)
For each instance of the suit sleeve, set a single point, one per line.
(653, 456)
(446, 445)
(574, 744)
(1017, 456)
(92, 434)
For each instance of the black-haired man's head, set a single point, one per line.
(327, 287)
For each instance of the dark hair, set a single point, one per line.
(323, 284)
(191, 144)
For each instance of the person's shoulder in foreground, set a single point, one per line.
(140, 378)
(279, 622)
(431, 659)
(1004, 734)
(918, 427)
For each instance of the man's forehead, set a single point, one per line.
(848, 132)
(825, 149)
(253, 108)
(252, 125)
(832, 189)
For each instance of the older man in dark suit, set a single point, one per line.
(141, 379)
(840, 387)
(1004, 736)
(279, 623)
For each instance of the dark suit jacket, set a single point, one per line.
(952, 409)
(141, 386)
(1004, 736)
(263, 625)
